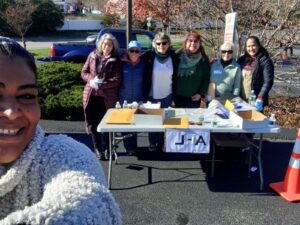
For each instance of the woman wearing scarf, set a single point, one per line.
(193, 73)
(226, 74)
(257, 72)
(44, 179)
(160, 69)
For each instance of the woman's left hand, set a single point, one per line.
(196, 97)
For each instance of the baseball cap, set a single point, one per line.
(134, 44)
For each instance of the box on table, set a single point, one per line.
(249, 119)
(149, 116)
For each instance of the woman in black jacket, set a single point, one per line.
(159, 82)
(257, 71)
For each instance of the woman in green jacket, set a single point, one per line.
(193, 73)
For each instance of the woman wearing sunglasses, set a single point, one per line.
(257, 72)
(160, 69)
(131, 89)
(193, 73)
(226, 74)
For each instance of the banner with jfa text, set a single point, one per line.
(187, 140)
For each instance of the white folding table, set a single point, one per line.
(148, 127)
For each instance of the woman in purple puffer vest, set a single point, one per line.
(101, 72)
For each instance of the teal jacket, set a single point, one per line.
(228, 79)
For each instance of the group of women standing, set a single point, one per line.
(163, 75)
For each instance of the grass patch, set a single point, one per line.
(37, 53)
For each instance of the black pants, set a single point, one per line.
(186, 102)
(95, 111)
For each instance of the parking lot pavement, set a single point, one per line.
(176, 189)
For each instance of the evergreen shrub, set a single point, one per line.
(60, 90)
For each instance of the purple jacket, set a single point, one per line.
(109, 89)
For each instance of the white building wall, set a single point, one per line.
(64, 3)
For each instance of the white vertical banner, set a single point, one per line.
(230, 23)
(187, 141)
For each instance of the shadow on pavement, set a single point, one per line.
(231, 175)
(231, 169)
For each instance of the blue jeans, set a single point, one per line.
(157, 138)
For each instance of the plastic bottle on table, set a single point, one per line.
(118, 105)
(272, 120)
(125, 104)
(252, 98)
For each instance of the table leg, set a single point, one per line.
(111, 139)
(212, 173)
(261, 176)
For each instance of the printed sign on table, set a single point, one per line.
(187, 141)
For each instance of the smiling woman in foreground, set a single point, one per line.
(43, 180)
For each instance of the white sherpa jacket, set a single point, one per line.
(56, 180)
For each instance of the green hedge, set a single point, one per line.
(60, 90)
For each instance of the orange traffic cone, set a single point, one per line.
(290, 187)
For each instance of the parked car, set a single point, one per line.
(91, 38)
(79, 51)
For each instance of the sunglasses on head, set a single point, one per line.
(134, 51)
(161, 43)
(227, 51)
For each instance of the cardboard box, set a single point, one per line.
(250, 119)
(149, 116)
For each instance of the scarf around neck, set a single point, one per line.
(188, 63)
(225, 63)
(11, 177)
(162, 58)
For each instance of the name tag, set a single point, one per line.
(217, 72)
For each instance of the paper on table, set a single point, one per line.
(173, 122)
(150, 105)
(120, 116)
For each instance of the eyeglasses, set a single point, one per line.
(229, 51)
(195, 41)
(161, 43)
(134, 51)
